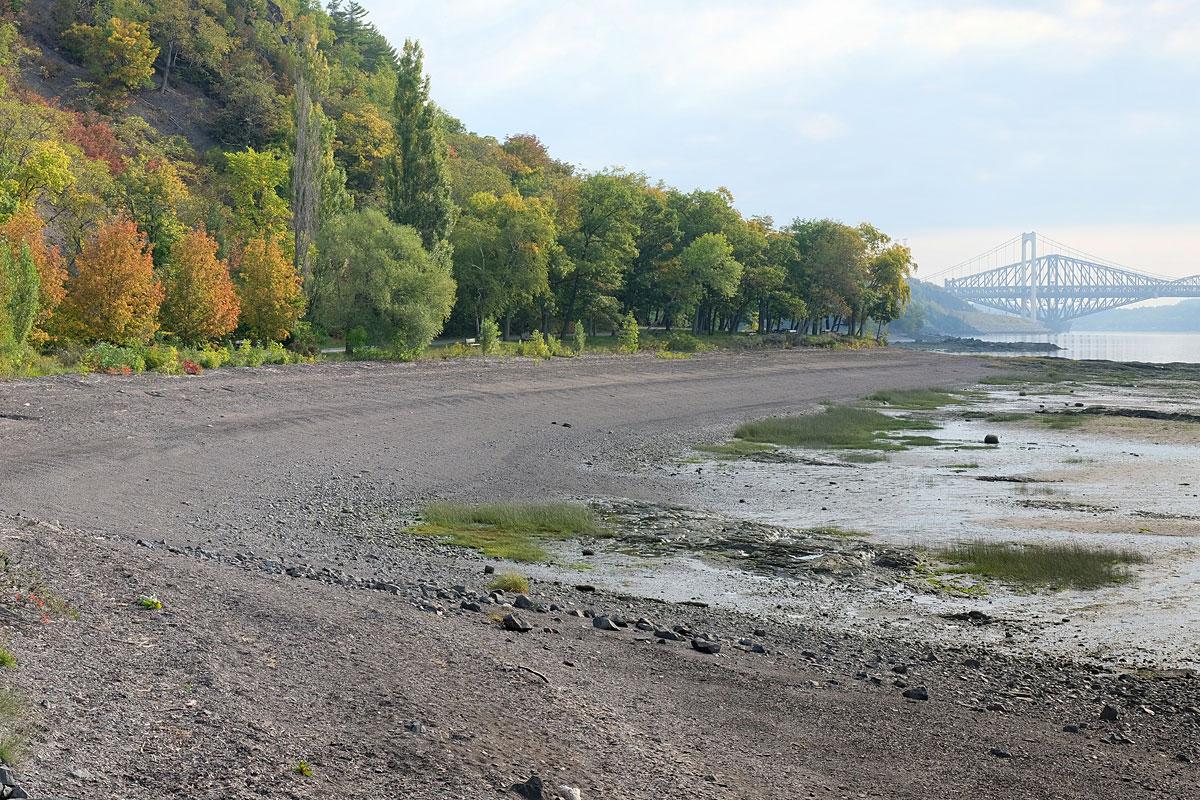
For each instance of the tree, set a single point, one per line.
(376, 274)
(418, 182)
(254, 180)
(601, 246)
(889, 289)
(119, 55)
(154, 192)
(833, 268)
(269, 291)
(502, 251)
(706, 266)
(201, 303)
(18, 297)
(25, 231)
(114, 296)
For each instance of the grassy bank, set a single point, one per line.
(834, 428)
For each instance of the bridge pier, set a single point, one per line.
(1029, 256)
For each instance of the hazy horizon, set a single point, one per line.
(954, 126)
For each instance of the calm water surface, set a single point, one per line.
(1154, 348)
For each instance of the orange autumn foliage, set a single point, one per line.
(114, 296)
(270, 290)
(201, 303)
(25, 228)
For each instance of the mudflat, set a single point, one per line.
(301, 632)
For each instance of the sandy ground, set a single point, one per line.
(248, 671)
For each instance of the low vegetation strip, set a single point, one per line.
(516, 531)
(835, 428)
(1057, 566)
(914, 399)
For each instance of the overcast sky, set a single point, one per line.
(954, 125)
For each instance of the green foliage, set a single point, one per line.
(376, 274)
(834, 428)
(535, 347)
(1057, 566)
(735, 449)
(162, 358)
(515, 531)
(489, 337)
(7, 659)
(628, 334)
(579, 336)
(119, 56)
(303, 769)
(357, 338)
(19, 293)
(209, 357)
(510, 582)
(680, 342)
(149, 602)
(113, 359)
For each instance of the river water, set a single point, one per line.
(1153, 348)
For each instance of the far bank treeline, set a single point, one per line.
(189, 172)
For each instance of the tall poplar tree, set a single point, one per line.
(418, 181)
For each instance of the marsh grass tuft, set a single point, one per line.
(515, 531)
(835, 428)
(1058, 566)
(510, 582)
(7, 659)
(863, 458)
(914, 399)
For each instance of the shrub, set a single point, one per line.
(681, 342)
(557, 348)
(276, 353)
(149, 602)
(489, 337)
(305, 340)
(357, 338)
(246, 355)
(162, 358)
(627, 336)
(112, 360)
(536, 347)
(579, 336)
(209, 357)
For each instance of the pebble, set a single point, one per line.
(917, 693)
(514, 623)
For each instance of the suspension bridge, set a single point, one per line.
(1046, 281)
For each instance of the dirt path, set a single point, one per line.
(396, 692)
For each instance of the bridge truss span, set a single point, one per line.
(1056, 287)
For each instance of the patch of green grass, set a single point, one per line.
(914, 399)
(1004, 380)
(863, 458)
(11, 704)
(510, 582)
(515, 531)
(996, 416)
(671, 355)
(303, 769)
(581, 566)
(918, 441)
(835, 428)
(12, 749)
(735, 448)
(1057, 566)
(7, 659)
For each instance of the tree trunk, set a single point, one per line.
(170, 59)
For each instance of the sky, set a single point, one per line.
(953, 125)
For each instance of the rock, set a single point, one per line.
(1070, 729)
(604, 624)
(81, 774)
(569, 793)
(584, 587)
(900, 669)
(991, 438)
(670, 636)
(414, 727)
(514, 623)
(999, 753)
(588, 551)
(524, 603)
(706, 646)
(6, 777)
(1109, 714)
(468, 605)
(531, 789)
(489, 570)
(17, 793)
(760, 633)
(972, 663)
(917, 693)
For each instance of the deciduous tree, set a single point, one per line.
(201, 303)
(269, 289)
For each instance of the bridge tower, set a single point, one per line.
(1029, 257)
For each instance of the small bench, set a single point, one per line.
(470, 342)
